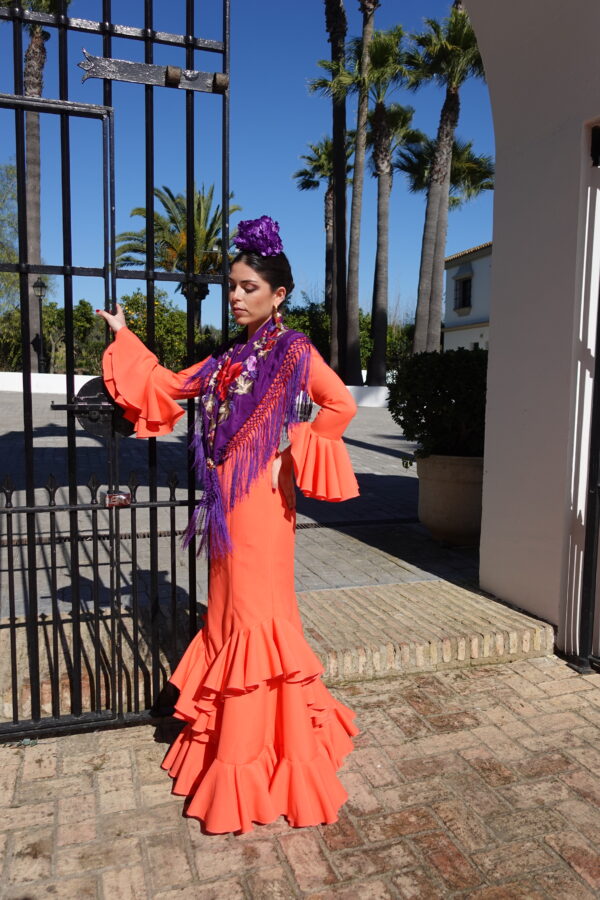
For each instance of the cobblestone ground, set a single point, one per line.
(478, 783)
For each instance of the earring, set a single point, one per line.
(277, 318)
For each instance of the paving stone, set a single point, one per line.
(66, 889)
(413, 794)
(341, 834)
(31, 855)
(513, 859)
(229, 888)
(542, 764)
(366, 890)
(470, 831)
(583, 784)
(525, 823)
(168, 864)
(563, 885)
(97, 855)
(521, 890)
(452, 866)
(409, 821)
(221, 855)
(491, 769)
(125, 884)
(579, 854)
(546, 792)
(36, 813)
(417, 884)
(375, 861)
(310, 866)
(270, 883)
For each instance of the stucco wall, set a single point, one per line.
(545, 93)
(462, 333)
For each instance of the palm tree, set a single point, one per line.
(170, 240)
(389, 129)
(446, 53)
(337, 26)
(319, 169)
(388, 124)
(33, 84)
(470, 173)
(353, 76)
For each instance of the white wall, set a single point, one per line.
(545, 92)
(466, 337)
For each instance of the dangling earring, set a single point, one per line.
(277, 318)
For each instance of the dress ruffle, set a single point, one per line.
(136, 381)
(295, 773)
(322, 466)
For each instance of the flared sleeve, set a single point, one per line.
(321, 463)
(146, 390)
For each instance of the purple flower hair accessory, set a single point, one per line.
(259, 236)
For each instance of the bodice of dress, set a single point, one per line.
(148, 393)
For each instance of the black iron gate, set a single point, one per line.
(97, 601)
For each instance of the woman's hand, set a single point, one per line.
(282, 477)
(116, 321)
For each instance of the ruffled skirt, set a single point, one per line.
(263, 738)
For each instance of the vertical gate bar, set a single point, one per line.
(225, 175)
(151, 338)
(32, 599)
(173, 548)
(65, 148)
(134, 602)
(191, 349)
(110, 298)
(97, 698)
(55, 680)
(12, 615)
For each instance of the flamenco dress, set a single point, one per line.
(263, 736)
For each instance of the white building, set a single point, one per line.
(468, 285)
(545, 95)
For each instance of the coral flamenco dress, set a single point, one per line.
(263, 736)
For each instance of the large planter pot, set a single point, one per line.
(450, 490)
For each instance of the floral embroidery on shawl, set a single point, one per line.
(247, 395)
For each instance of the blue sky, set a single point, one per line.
(274, 52)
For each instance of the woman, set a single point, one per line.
(263, 735)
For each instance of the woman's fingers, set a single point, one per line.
(115, 320)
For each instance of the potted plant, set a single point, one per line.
(438, 399)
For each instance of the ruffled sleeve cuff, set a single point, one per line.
(136, 381)
(322, 466)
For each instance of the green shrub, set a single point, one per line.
(438, 399)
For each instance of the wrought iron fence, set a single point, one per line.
(96, 599)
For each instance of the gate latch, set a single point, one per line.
(96, 411)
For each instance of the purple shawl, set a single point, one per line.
(246, 396)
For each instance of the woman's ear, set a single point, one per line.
(280, 295)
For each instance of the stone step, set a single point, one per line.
(377, 631)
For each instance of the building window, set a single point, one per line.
(462, 293)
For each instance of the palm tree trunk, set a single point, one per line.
(337, 26)
(329, 249)
(376, 374)
(434, 325)
(353, 372)
(33, 74)
(437, 185)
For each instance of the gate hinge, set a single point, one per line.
(148, 73)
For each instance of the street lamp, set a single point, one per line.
(39, 289)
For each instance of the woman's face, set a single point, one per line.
(251, 298)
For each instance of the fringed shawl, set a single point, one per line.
(246, 396)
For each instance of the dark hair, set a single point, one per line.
(275, 270)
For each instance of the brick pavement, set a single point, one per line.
(481, 783)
